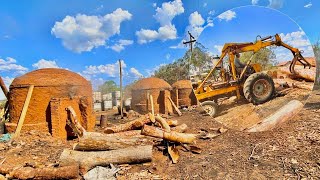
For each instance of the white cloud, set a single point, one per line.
(308, 5)
(276, 4)
(205, 4)
(120, 45)
(228, 15)
(164, 15)
(10, 65)
(83, 32)
(254, 2)
(212, 12)
(168, 11)
(297, 39)
(154, 5)
(164, 33)
(112, 70)
(168, 56)
(135, 73)
(218, 48)
(42, 63)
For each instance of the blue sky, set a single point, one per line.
(89, 36)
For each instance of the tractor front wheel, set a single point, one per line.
(259, 88)
(210, 107)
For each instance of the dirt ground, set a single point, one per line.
(291, 151)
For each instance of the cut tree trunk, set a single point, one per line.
(169, 136)
(282, 115)
(164, 124)
(175, 107)
(66, 172)
(135, 124)
(101, 143)
(88, 160)
(132, 133)
(305, 73)
(181, 128)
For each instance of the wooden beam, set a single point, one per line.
(24, 111)
(175, 107)
(4, 88)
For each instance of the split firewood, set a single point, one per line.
(174, 154)
(181, 128)
(152, 117)
(152, 107)
(135, 124)
(169, 136)
(164, 124)
(280, 116)
(88, 160)
(175, 107)
(73, 122)
(65, 172)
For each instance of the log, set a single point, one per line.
(305, 73)
(163, 123)
(280, 116)
(175, 107)
(181, 128)
(24, 111)
(65, 172)
(135, 124)
(169, 136)
(132, 133)
(101, 143)
(88, 160)
(172, 122)
(152, 107)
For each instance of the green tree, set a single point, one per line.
(108, 87)
(265, 57)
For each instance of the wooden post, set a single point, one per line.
(177, 97)
(151, 102)
(4, 88)
(24, 111)
(121, 95)
(175, 107)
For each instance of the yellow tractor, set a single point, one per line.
(240, 79)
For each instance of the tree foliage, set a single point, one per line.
(180, 68)
(265, 57)
(108, 87)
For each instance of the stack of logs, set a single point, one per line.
(127, 143)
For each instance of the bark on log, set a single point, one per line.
(282, 115)
(175, 107)
(305, 73)
(163, 123)
(88, 160)
(101, 143)
(169, 136)
(132, 133)
(65, 172)
(181, 128)
(172, 122)
(135, 124)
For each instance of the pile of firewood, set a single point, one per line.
(127, 143)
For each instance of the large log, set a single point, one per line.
(66, 172)
(305, 73)
(169, 136)
(101, 143)
(280, 116)
(88, 160)
(135, 124)
(132, 133)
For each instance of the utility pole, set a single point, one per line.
(121, 93)
(190, 42)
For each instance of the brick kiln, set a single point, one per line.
(182, 93)
(158, 88)
(54, 90)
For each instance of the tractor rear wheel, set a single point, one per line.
(210, 107)
(258, 88)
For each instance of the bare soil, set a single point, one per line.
(291, 151)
